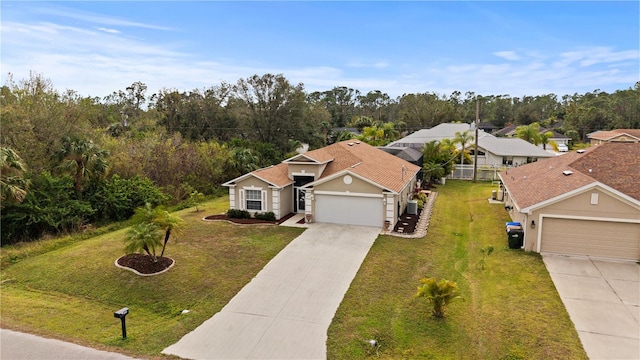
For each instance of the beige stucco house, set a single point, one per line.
(617, 135)
(349, 182)
(582, 203)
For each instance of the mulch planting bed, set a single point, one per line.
(407, 223)
(247, 221)
(144, 264)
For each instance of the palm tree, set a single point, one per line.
(83, 159)
(438, 293)
(164, 220)
(13, 185)
(545, 139)
(244, 160)
(463, 138)
(160, 220)
(143, 237)
(529, 133)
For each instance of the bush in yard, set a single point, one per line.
(438, 293)
(269, 216)
(238, 214)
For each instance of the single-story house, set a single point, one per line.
(492, 151)
(349, 182)
(618, 135)
(558, 138)
(411, 155)
(586, 202)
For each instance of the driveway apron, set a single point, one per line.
(603, 301)
(285, 311)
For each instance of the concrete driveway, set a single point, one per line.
(603, 300)
(285, 311)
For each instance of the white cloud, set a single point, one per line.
(99, 60)
(107, 30)
(508, 55)
(96, 18)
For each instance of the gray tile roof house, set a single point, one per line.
(493, 151)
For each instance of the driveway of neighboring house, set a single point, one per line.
(285, 311)
(603, 300)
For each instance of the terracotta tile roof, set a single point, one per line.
(277, 175)
(616, 165)
(369, 162)
(605, 135)
(319, 155)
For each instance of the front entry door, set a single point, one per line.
(299, 200)
(298, 195)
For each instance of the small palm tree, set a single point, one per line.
(167, 222)
(160, 220)
(143, 237)
(438, 293)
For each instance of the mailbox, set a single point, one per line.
(120, 314)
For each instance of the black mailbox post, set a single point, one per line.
(121, 314)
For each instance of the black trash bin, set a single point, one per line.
(516, 239)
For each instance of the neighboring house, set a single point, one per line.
(582, 203)
(558, 138)
(349, 182)
(487, 127)
(510, 131)
(411, 155)
(618, 135)
(417, 139)
(492, 151)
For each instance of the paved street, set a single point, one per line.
(20, 346)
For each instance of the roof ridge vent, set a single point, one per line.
(567, 172)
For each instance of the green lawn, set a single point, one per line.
(70, 290)
(511, 309)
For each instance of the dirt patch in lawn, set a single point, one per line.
(144, 264)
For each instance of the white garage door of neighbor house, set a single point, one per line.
(351, 210)
(606, 239)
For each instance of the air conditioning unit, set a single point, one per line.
(412, 207)
(500, 195)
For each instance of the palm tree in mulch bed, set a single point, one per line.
(151, 229)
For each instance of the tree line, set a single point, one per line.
(69, 160)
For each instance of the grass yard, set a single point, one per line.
(69, 289)
(511, 308)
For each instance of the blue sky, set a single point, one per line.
(490, 48)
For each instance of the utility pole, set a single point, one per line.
(475, 151)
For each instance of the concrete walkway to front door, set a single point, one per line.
(285, 311)
(602, 298)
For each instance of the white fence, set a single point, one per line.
(485, 172)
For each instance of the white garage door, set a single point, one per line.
(606, 239)
(352, 210)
